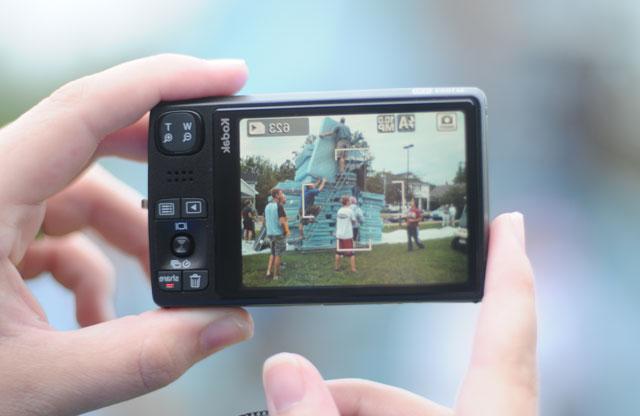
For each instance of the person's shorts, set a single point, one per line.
(312, 211)
(306, 221)
(249, 225)
(278, 245)
(345, 244)
(342, 144)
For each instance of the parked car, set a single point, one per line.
(459, 241)
(437, 214)
(391, 209)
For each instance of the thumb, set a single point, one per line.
(294, 387)
(124, 358)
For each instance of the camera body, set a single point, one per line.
(336, 197)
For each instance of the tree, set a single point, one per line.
(266, 176)
(456, 195)
(375, 183)
(461, 174)
(287, 170)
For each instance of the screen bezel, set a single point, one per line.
(227, 236)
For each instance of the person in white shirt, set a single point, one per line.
(345, 219)
(452, 214)
(445, 215)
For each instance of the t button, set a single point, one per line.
(182, 245)
(179, 133)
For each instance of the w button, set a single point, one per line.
(194, 208)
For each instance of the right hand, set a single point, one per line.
(501, 379)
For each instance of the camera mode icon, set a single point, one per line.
(446, 122)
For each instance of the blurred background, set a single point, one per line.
(563, 82)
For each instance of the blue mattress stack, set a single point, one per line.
(317, 160)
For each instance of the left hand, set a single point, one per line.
(47, 183)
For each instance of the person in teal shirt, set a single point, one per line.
(275, 219)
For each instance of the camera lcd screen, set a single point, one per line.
(354, 200)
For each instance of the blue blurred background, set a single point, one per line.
(563, 83)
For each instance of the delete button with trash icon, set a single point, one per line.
(195, 280)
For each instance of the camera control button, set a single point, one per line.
(182, 245)
(168, 208)
(178, 133)
(194, 208)
(169, 281)
(195, 279)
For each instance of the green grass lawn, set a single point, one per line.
(386, 264)
(423, 226)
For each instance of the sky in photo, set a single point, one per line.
(434, 158)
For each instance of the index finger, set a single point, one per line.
(503, 362)
(49, 145)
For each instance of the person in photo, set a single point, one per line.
(344, 233)
(359, 219)
(249, 221)
(275, 219)
(445, 215)
(414, 216)
(452, 214)
(342, 135)
(310, 210)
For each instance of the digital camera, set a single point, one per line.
(333, 197)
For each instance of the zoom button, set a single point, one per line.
(178, 133)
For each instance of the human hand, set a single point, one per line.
(502, 376)
(46, 156)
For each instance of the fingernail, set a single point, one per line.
(517, 222)
(283, 382)
(227, 330)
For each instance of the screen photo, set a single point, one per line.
(354, 200)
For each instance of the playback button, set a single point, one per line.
(194, 208)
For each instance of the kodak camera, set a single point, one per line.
(337, 197)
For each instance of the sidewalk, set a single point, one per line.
(400, 236)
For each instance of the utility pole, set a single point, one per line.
(407, 148)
